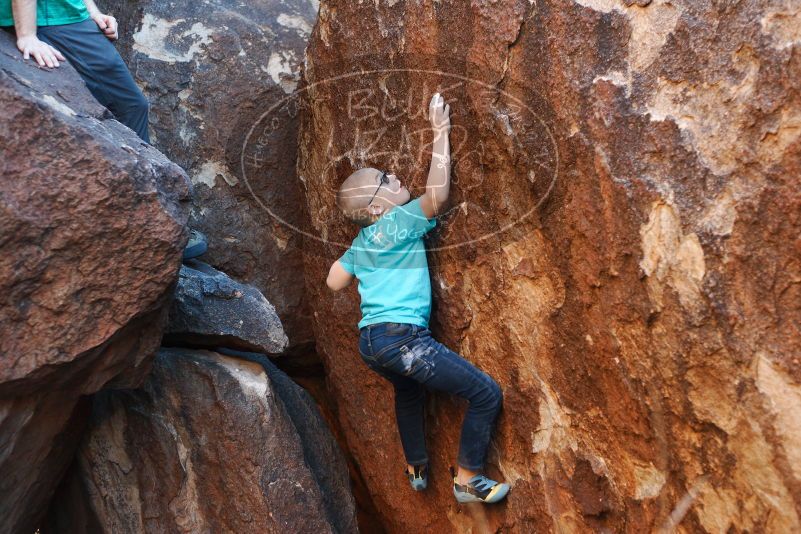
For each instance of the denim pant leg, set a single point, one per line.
(101, 67)
(421, 358)
(409, 409)
(453, 374)
(410, 399)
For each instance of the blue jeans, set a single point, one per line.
(101, 67)
(407, 356)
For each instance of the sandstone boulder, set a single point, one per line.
(220, 78)
(210, 310)
(207, 445)
(320, 448)
(91, 233)
(621, 253)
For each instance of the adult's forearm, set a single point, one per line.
(24, 12)
(439, 174)
(91, 7)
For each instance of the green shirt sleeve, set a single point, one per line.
(49, 12)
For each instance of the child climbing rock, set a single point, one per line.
(388, 258)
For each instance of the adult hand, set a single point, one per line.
(43, 53)
(439, 113)
(107, 24)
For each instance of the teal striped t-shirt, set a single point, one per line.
(49, 12)
(389, 259)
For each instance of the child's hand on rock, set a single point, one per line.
(439, 114)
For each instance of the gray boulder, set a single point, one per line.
(220, 78)
(210, 309)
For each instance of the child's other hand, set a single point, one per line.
(439, 113)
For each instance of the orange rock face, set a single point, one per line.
(622, 254)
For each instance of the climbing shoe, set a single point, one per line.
(419, 478)
(479, 489)
(196, 246)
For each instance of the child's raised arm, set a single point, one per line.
(439, 174)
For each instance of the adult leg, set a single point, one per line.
(103, 70)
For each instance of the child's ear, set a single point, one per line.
(375, 209)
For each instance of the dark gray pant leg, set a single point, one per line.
(103, 70)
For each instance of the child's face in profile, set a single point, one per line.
(369, 196)
(393, 193)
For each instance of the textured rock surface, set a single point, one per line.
(210, 310)
(643, 321)
(91, 233)
(219, 76)
(207, 445)
(320, 449)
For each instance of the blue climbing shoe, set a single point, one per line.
(479, 489)
(196, 246)
(418, 479)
